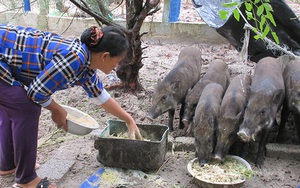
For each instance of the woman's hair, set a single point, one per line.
(113, 40)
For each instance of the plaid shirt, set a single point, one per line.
(46, 62)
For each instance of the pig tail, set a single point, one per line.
(107, 39)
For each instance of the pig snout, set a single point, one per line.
(202, 162)
(296, 106)
(187, 119)
(150, 117)
(185, 122)
(152, 114)
(244, 135)
(218, 158)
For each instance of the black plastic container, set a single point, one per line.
(132, 154)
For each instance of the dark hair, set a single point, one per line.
(113, 41)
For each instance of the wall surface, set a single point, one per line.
(197, 32)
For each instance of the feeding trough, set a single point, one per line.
(146, 155)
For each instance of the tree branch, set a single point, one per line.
(266, 39)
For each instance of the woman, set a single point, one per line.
(33, 65)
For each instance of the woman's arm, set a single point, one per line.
(112, 107)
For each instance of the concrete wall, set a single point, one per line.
(196, 32)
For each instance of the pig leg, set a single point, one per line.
(181, 125)
(297, 125)
(283, 120)
(171, 119)
(262, 148)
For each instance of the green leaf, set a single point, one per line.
(256, 1)
(266, 31)
(223, 14)
(260, 10)
(248, 6)
(249, 15)
(256, 37)
(275, 37)
(268, 7)
(262, 22)
(271, 18)
(231, 4)
(236, 14)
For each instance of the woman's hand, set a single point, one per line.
(134, 132)
(58, 115)
(111, 106)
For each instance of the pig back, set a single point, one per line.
(186, 72)
(218, 72)
(291, 77)
(268, 76)
(235, 97)
(209, 103)
(205, 122)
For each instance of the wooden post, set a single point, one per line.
(44, 11)
(166, 12)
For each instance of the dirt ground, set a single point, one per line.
(173, 173)
(161, 56)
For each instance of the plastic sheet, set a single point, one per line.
(209, 11)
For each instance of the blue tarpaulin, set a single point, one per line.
(174, 10)
(26, 5)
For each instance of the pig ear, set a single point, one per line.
(278, 96)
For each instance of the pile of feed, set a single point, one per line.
(120, 135)
(85, 120)
(125, 135)
(230, 171)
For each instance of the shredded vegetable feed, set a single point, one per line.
(120, 135)
(230, 171)
(123, 135)
(84, 120)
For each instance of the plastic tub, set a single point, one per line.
(145, 155)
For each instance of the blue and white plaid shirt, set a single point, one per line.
(46, 62)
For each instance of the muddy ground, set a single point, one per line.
(173, 173)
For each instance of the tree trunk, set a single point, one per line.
(136, 12)
(128, 69)
(42, 19)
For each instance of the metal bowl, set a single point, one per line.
(79, 127)
(207, 184)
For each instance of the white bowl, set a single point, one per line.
(204, 183)
(79, 123)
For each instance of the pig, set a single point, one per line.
(217, 72)
(171, 91)
(266, 97)
(291, 103)
(231, 114)
(205, 121)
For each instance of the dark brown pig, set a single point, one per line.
(266, 98)
(205, 121)
(217, 72)
(231, 114)
(291, 103)
(171, 91)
